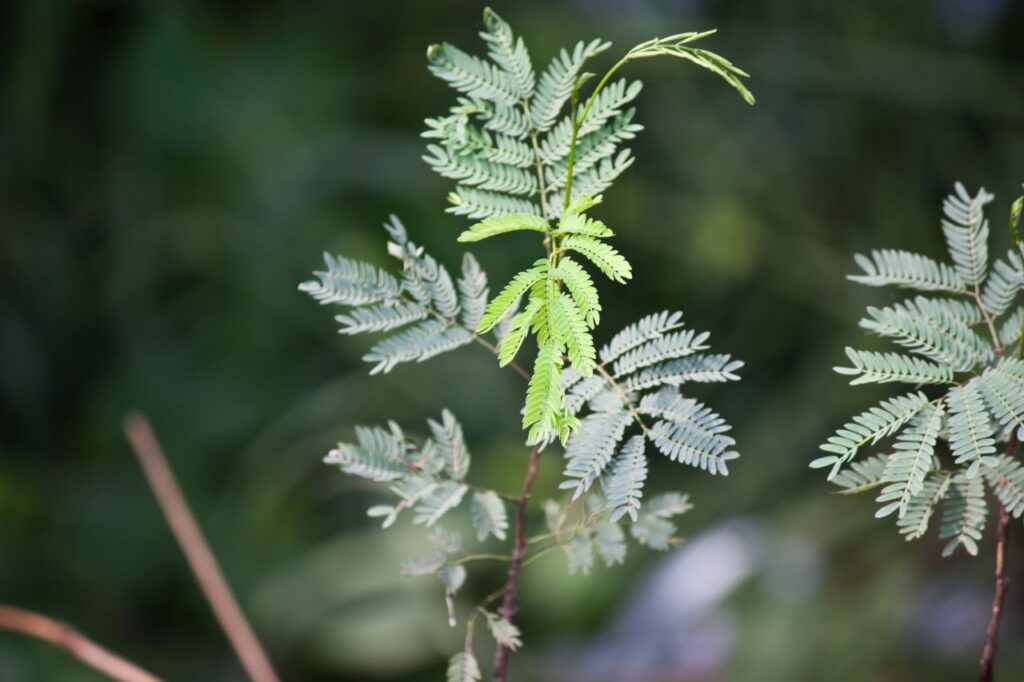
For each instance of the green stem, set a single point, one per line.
(577, 123)
(482, 557)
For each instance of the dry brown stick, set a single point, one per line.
(201, 560)
(68, 638)
(508, 604)
(988, 654)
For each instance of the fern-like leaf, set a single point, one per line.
(545, 401)
(439, 501)
(554, 87)
(880, 368)
(1003, 284)
(512, 340)
(496, 225)
(610, 542)
(358, 461)
(910, 463)
(908, 270)
(476, 203)
(862, 475)
(480, 173)
(502, 304)
(600, 145)
(580, 553)
(1010, 330)
(971, 434)
(600, 177)
(933, 330)
(681, 442)
(966, 233)
(591, 449)
(503, 631)
(605, 257)
(472, 292)
(667, 403)
(667, 505)
(625, 485)
(914, 523)
(640, 332)
(579, 284)
(868, 428)
(573, 330)
(1002, 388)
(679, 46)
(696, 368)
(661, 349)
(463, 667)
(489, 515)
(417, 343)
(608, 104)
(381, 317)
(509, 53)
(964, 515)
(471, 75)
(577, 223)
(452, 444)
(653, 532)
(1007, 481)
(351, 282)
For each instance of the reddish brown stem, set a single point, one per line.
(197, 552)
(66, 637)
(988, 654)
(515, 567)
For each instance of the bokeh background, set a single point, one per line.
(169, 171)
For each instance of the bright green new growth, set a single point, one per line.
(963, 349)
(511, 150)
(562, 320)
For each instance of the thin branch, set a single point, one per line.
(577, 123)
(494, 349)
(477, 610)
(508, 604)
(68, 638)
(482, 557)
(988, 654)
(988, 320)
(200, 558)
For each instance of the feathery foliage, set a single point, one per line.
(946, 444)
(638, 384)
(462, 667)
(431, 313)
(530, 155)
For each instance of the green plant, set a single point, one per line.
(512, 152)
(967, 346)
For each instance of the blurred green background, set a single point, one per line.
(170, 172)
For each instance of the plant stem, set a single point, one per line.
(197, 552)
(578, 123)
(508, 604)
(988, 654)
(494, 350)
(482, 557)
(66, 637)
(988, 321)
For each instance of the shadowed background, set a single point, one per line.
(171, 171)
